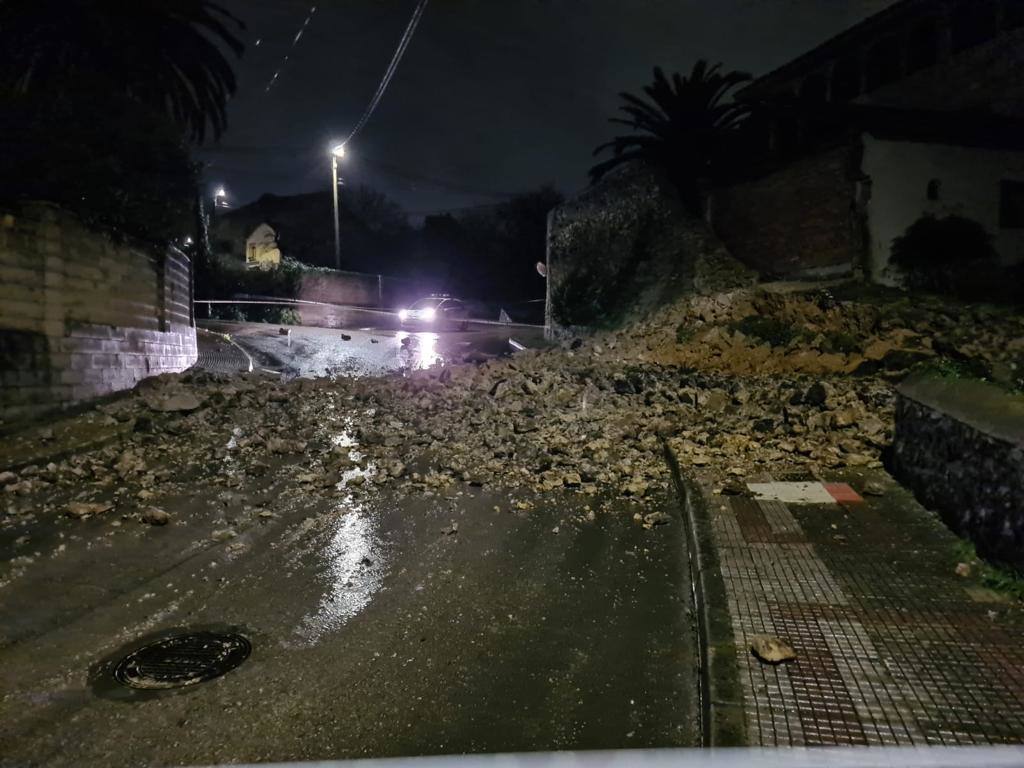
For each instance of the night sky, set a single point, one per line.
(493, 97)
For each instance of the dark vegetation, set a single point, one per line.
(482, 253)
(770, 330)
(100, 101)
(600, 293)
(687, 126)
(954, 256)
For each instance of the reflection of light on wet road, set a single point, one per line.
(420, 347)
(354, 571)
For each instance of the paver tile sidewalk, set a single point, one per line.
(893, 646)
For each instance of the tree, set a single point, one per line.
(164, 54)
(120, 166)
(377, 211)
(686, 128)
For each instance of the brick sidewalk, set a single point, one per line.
(893, 647)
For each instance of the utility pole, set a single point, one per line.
(337, 151)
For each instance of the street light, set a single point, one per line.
(220, 198)
(337, 151)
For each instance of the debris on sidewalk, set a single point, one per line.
(84, 509)
(771, 649)
(155, 516)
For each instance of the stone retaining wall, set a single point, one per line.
(625, 246)
(83, 316)
(959, 445)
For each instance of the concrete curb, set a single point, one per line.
(722, 700)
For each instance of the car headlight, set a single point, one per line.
(429, 314)
(403, 315)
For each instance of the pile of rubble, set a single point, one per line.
(574, 419)
(812, 332)
(591, 417)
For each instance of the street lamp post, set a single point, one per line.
(337, 151)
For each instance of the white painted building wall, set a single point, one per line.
(261, 247)
(969, 185)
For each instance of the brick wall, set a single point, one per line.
(82, 316)
(800, 220)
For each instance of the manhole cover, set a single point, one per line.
(182, 660)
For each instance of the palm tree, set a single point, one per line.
(164, 54)
(684, 129)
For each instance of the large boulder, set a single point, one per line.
(626, 246)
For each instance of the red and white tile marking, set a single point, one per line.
(812, 492)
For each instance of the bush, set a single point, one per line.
(952, 255)
(771, 330)
(121, 167)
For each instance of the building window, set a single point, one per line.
(933, 189)
(973, 22)
(1011, 204)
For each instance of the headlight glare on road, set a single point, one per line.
(403, 315)
(429, 314)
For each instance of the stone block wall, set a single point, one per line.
(800, 220)
(959, 445)
(83, 316)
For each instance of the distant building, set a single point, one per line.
(261, 248)
(917, 110)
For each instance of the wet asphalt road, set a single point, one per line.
(377, 630)
(368, 350)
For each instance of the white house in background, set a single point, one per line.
(915, 111)
(911, 179)
(261, 247)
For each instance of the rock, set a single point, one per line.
(657, 518)
(500, 388)
(281, 445)
(771, 649)
(81, 509)
(223, 534)
(816, 394)
(873, 488)
(451, 530)
(346, 337)
(284, 331)
(170, 402)
(6, 478)
(963, 570)
(155, 516)
(715, 400)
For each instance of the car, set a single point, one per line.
(436, 312)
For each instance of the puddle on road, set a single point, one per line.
(419, 350)
(352, 559)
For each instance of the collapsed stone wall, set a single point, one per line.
(800, 220)
(959, 445)
(626, 246)
(83, 316)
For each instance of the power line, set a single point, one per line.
(295, 41)
(389, 73)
